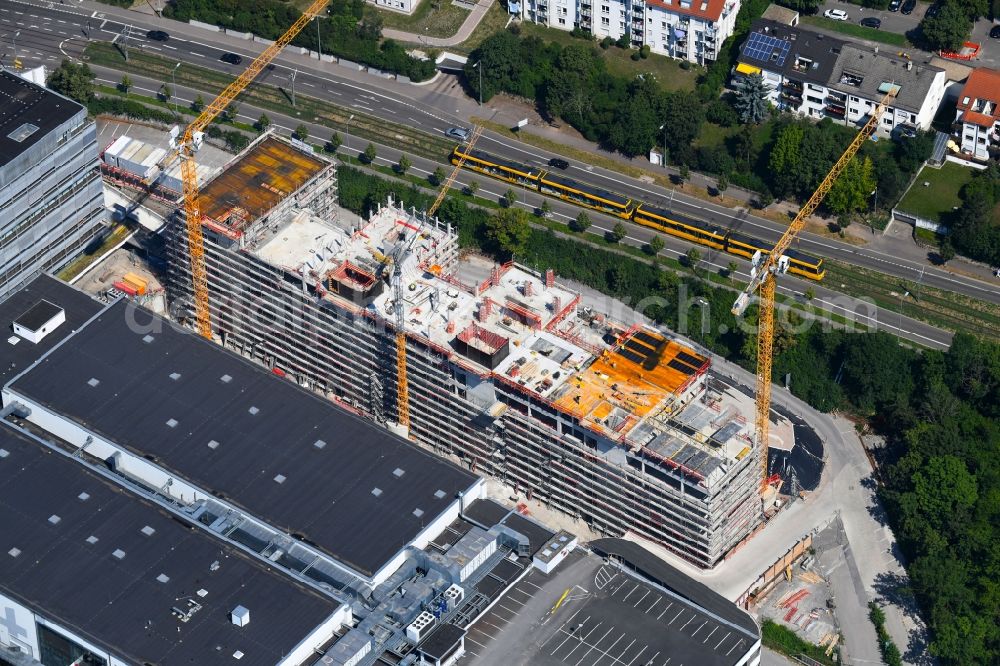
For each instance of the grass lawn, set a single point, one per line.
(494, 21)
(619, 61)
(855, 30)
(428, 20)
(941, 196)
(714, 135)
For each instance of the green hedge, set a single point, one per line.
(784, 640)
(116, 106)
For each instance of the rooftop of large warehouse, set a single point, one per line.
(27, 113)
(279, 452)
(112, 567)
(16, 353)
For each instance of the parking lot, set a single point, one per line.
(594, 614)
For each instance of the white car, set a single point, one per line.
(836, 14)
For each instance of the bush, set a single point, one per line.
(685, 65)
(721, 113)
(116, 106)
(607, 43)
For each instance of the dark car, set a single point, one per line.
(932, 11)
(231, 58)
(558, 163)
(995, 32)
(894, 5)
(909, 6)
(157, 35)
(871, 22)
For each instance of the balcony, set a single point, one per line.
(791, 98)
(837, 110)
(793, 86)
(638, 9)
(585, 13)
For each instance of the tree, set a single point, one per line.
(231, 112)
(510, 197)
(334, 143)
(545, 209)
(948, 29)
(683, 174)
(126, 84)
(786, 158)
(655, 245)
(438, 177)
(947, 251)
(166, 93)
(683, 113)
(618, 232)
(472, 188)
(371, 153)
(731, 268)
(851, 191)
(302, 132)
(691, 258)
(404, 164)
(263, 123)
(810, 293)
(73, 81)
(581, 223)
(722, 184)
(198, 104)
(509, 229)
(751, 99)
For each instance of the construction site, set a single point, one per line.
(611, 422)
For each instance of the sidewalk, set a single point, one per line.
(464, 31)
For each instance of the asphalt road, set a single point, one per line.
(49, 31)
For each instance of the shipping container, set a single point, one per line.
(125, 287)
(112, 152)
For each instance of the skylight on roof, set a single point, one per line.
(83, 497)
(163, 578)
(22, 132)
(280, 478)
(14, 552)
(418, 512)
(93, 382)
(253, 411)
(376, 492)
(4, 453)
(148, 531)
(172, 423)
(147, 339)
(398, 472)
(319, 444)
(92, 539)
(225, 379)
(54, 519)
(119, 554)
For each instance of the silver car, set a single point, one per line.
(458, 133)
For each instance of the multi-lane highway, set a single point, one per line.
(46, 32)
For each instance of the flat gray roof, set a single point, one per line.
(279, 452)
(110, 567)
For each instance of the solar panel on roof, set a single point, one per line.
(632, 356)
(765, 48)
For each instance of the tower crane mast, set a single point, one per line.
(187, 144)
(762, 279)
(402, 384)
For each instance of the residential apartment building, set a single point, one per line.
(820, 76)
(51, 198)
(690, 30)
(977, 118)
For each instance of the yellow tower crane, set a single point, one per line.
(189, 142)
(762, 278)
(402, 384)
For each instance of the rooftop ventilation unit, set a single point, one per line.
(240, 616)
(420, 627)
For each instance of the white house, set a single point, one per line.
(977, 118)
(820, 76)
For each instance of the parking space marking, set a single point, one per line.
(676, 616)
(512, 612)
(690, 620)
(569, 634)
(735, 645)
(728, 634)
(650, 609)
(630, 593)
(492, 625)
(584, 639)
(714, 629)
(638, 654)
(640, 599)
(623, 584)
(471, 640)
(700, 627)
(591, 646)
(528, 582)
(664, 610)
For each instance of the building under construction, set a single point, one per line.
(611, 422)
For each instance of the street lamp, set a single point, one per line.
(663, 155)
(348, 141)
(477, 66)
(13, 40)
(173, 78)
